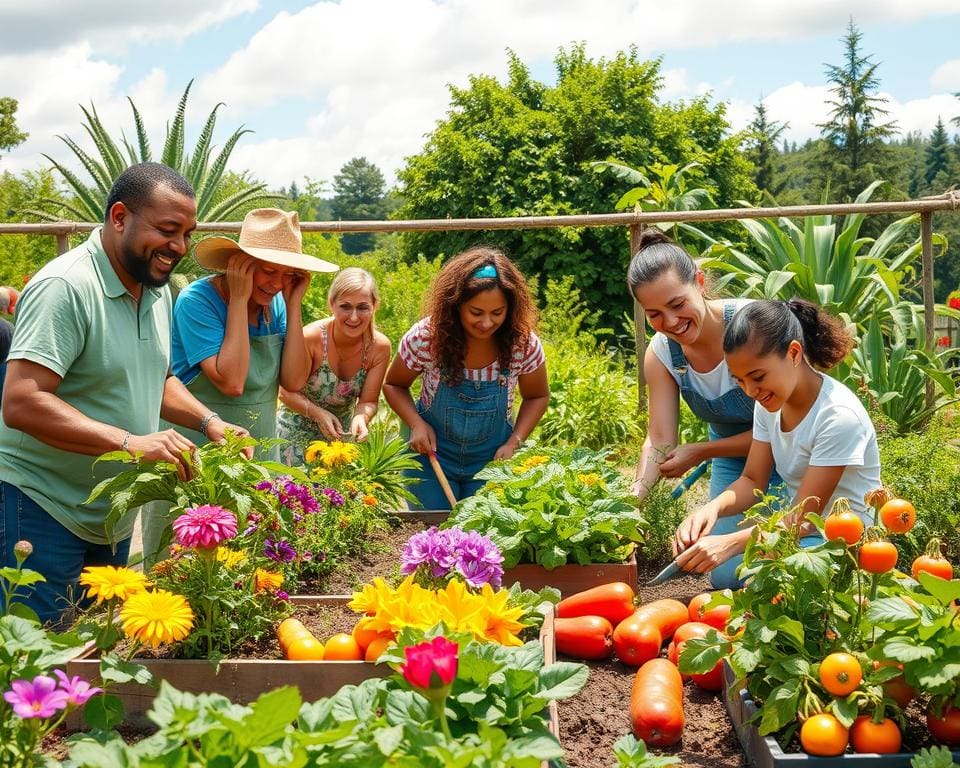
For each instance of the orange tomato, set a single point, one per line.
(840, 674)
(898, 515)
(877, 556)
(289, 630)
(363, 634)
(824, 736)
(305, 648)
(376, 647)
(342, 647)
(867, 736)
(935, 566)
(843, 525)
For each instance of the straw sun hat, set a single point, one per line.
(268, 234)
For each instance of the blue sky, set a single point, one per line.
(322, 82)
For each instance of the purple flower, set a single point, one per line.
(281, 595)
(77, 689)
(279, 551)
(473, 556)
(40, 698)
(293, 496)
(335, 497)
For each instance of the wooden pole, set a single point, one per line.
(63, 244)
(926, 244)
(639, 328)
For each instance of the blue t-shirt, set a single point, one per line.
(200, 322)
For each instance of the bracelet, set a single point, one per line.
(124, 445)
(205, 422)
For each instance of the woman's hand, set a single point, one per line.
(506, 450)
(239, 276)
(694, 526)
(707, 553)
(217, 432)
(327, 423)
(295, 287)
(423, 439)
(682, 458)
(358, 427)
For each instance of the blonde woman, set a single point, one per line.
(348, 360)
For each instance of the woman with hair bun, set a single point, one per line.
(474, 348)
(810, 426)
(685, 360)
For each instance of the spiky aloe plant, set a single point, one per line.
(204, 171)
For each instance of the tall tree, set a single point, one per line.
(359, 193)
(762, 147)
(937, 155)
(854, 132)
(525, 148)
(10, 134)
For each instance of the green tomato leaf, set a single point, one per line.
(103, 712)
(946, 591)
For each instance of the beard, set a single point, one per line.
(138, 267)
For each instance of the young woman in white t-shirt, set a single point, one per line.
(811, 427)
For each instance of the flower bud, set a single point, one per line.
(22, 550)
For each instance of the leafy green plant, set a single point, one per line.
(632, 753)
(201, 168)
(495, 709)
(663, 514)
(933, 757)
(552, 507)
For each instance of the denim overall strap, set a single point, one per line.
(471, 422)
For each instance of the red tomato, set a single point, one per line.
(685, 632)
(843, 525)
(656, 703)
(584, 637)
(867, 736)
(935, 566)
(636, 641)
(898, 515)
(666, 615)
(716, 616)
(613, 601)
(946, 728)
(712, 680)
(877, 556)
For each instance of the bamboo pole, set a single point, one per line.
(926, 245)
(639, 328)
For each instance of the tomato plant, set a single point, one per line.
(898, 515)
(845, 526)
(931, 561)
(877, 556)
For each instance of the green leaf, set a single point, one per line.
(116, 670)
(891, 611)
(104, 712)
(905, 649)
(780, 707)
(632, 753)
(388, 739)
(946, 591)
(562, 680)
(272, 714)
(933, 757)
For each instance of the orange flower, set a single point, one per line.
(369, 500)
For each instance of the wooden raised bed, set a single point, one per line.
(569, 579)
(765, 751)
(243, 680)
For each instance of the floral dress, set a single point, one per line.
(327, 391)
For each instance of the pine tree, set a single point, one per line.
(937, 155)
(765, 134)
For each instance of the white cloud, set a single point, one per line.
(947, 76)
(107, 25)
(922, 114)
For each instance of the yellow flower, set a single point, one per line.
(370, 501)
(106, 582)
(461, 609)
(264, 580)
(336, 454)
(529, 463)
(500, 622)
(589, 479)
(156, 617)
(230, 557)
(318, 473)
(310, 455)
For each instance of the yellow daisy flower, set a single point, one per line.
(106, 582)
(589, 479)
(156, 617)
(310, 455)
(230, 557)
(337, 454)
(499, 621)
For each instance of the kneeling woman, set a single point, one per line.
(810, 426)
(238, 334)
(475, 347)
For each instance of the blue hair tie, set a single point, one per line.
(487, 270)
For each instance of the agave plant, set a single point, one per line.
(847, 274)
(201, 168)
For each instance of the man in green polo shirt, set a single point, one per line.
(89, 372)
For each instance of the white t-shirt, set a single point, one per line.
(712, 384)
(835, 432)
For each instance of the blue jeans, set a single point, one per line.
(58, 554)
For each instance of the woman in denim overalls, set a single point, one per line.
(685, 359)
(475, 346)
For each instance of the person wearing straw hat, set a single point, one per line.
(238, 334)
